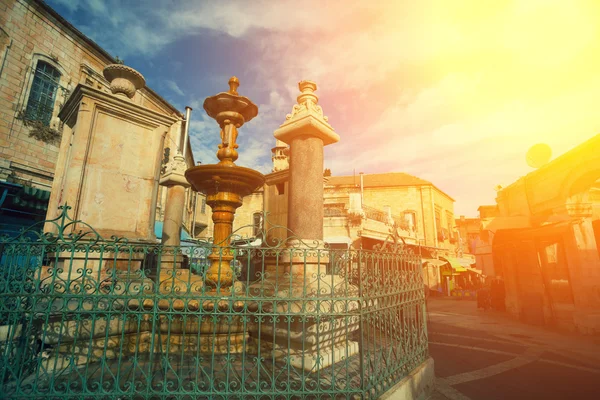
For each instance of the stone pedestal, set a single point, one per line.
(314, 310)
(107, 172)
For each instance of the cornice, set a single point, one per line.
(70, 108)
(277, 177)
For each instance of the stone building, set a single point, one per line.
(546, 239)
(423, 213)
(42, 60)
(467, 230)
(482, 244)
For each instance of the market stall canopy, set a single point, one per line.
(475, 270)
(456, 265)
(433, 261)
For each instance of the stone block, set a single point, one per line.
(313, 359)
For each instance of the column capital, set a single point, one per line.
(175, 172)
(306, 118)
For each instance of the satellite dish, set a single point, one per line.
(538, 155)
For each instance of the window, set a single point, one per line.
(438, 225)
(555, 271)
(203, 208)
(42, 95)
(280, 188)
(257, 222)
(450, 223)
(411, 220)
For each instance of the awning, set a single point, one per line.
(158, 228)
(466, 262)
(433, 261)
(455, 264)
(475, 270)
(500, 223)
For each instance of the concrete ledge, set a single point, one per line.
(419, 384)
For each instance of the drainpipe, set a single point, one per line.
(362, 202)
(423, 216)
(188, 112)
(193, 230)
(435, 236)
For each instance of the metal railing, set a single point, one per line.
(86, 317)
(335, 212)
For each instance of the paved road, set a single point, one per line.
(488, 356)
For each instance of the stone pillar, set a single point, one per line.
(584, 269)
(315, 335)
(173, 219)
(307, 131)
(174, 180)
(306, 187)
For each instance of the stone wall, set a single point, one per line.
(276, 204)
(30, 33)
(469, 233)
(559, 202)
(422, 200)
(244, 216)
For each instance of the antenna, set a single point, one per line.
(538, 155)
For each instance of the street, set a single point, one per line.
(487, 355)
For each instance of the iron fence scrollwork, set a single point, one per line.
(82, 316)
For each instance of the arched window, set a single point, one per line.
(42, 95)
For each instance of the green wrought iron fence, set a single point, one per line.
(83, 317)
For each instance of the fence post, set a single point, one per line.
(361, 344)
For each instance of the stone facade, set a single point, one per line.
(36, 42)
(248, 218)
(411, 201)
(468, 230)
(546, 239)
(408, 201)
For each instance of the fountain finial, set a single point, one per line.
(234, 83)
(231, 112)
(308, 92)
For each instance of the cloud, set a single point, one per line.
(171, 85)
(454, 92)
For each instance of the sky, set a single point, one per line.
(454, 92)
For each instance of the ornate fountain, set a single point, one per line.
(225, 183)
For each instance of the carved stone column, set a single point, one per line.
(315, 331)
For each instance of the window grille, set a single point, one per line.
(42, 94)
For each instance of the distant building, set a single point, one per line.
(423, 213)
(42, 59)
(468, 232)
(546, 238)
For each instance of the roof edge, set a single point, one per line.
(43, 5)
